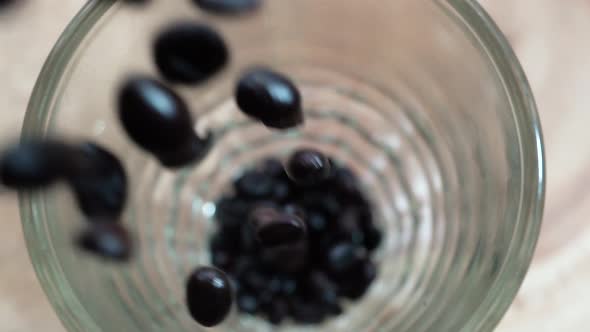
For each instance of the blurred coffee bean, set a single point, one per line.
(34, 164)
(269, 97)
(308, 167)
(99, 181)
(344, 257)
(274, 227)
(255, 184)
(110, 241)
(248, 303)
(358, 281)
(190, 53)
(208, 296)
(158, 120)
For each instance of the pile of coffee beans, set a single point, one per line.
(294, 240)
(296, 249)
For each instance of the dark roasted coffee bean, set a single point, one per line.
(372, 237)
(344, 257)
(107, 240)
(324, 290)
(255, 184)
(158, 120)
(295, 210)
(249, 243)
(269, 97)
(99, 181)
(231, 213)
(248, 303)
(221, 260)
(228, 7)
(358, 281)
(344, 181)
(255, 280)
(34, 164)
(308, 166)
(316, 223)
(281, 191)
(190, 53)
(288, 286)
(208, 296)
(320, 202)
(278, 311)
(307, 313)
(349, 228)
(272, 167)
(274, 228)
(286, 258)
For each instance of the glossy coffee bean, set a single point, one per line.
(190, 53)
(34, 164)
(208, 296)
(269, 97)
(255, 184)
(274, 227)
(107, 240)
(99, 182)
(158, 120)
(344, 257)
(228, 7)
(308, 166)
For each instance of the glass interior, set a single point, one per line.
(423, 99)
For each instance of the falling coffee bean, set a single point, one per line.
(99, 182)
(209, 296)
(107, 240)
(158, 120)
(34, 164)
(269, 97)
(308, 166)
(274, 227)
(228, 7)
(190, 53)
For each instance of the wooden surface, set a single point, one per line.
(551, 39)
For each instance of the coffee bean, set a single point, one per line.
(228, 7)
(307, 313)
(269, 97)
(107, 240)
(231, 213)
(349, 228)
(248, 303)
(323, 289)
(358, 281)
(344, 257)
(278, 311)
(286, 258)
(316, 223)
(34, 164)
(208, 296)
(274, 228)
(255, 184)
(372, 237)
(158, 120)
(221, 260)
(308, 166)
(99, 181)
(190, 53)
(272, 167)
(255, 280)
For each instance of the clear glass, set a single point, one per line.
(424, 99)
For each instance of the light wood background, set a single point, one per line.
(551, 38)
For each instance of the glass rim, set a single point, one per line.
(75, 317)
